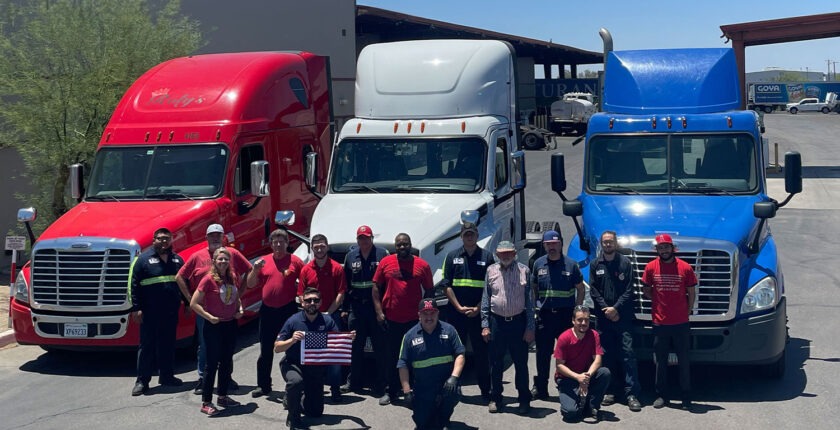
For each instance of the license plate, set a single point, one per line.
(75, 330)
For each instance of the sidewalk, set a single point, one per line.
(7, 336)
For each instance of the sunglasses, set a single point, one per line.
(312, 300)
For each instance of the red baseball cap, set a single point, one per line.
(364, 231)
(663, 238)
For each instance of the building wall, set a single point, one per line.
(11, 164)
(323, 27)
(773, 75)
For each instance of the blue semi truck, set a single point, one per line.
(672, 153)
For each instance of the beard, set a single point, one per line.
(311, 310)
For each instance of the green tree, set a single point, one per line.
(790, 77)
(64, 65)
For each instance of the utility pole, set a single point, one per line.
(828, 69)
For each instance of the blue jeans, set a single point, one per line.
(572, 405)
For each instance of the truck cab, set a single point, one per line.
(434, 135)
(672, 154)
(191, 143)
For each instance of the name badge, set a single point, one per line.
(444, 336)
(542, 272)
(417, 341)
(565, 273)
(600, 272)
(154, 260)
(356, 264)
(457, 260)
(480, 263)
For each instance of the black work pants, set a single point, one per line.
(664, 337)
(363, 320)
(550, 324)
(506, 337)
(394, 333)
(303, 383)
(271, 321)
(619, 357)
(470, 328)
(220, 340)
(432, 407)
(157, 346)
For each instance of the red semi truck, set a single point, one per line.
(190, 144)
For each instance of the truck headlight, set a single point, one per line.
(763, 295)
(20, 290)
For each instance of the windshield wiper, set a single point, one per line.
(702, 190)
(357, 188)
(168, 196)
(620, 189)
(103, 197)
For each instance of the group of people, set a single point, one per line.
(498, 305)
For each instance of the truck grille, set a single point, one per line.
(81, 275)
(714, 274)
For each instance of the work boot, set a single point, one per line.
(199, 387)
(139, 388)
(660, 403)
(609, 399)
(259, 392)
(385, 400)
(633, 403)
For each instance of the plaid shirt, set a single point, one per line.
(507, 293)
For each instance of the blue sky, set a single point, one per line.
(637, 24)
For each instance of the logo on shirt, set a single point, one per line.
(227, 293)
(542, 272)
(154, 260)
(444, 336)
(417, 341)
(620, 276)
(356, 265)
(480, 263)
(600, 272)
(458, 260)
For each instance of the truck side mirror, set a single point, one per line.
(470, 217)
(259, 178)
(311, 170)
(284, 218)
(558, 173)
(27, 214)
(764, 210)
(573, 208)
(793, 172)
(76, 179)
(518, 177)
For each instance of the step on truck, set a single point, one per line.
(191, 143)
(434, 135)
(672, 153)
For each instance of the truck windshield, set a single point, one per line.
(409, 165)
(707, 164)
(157, 172)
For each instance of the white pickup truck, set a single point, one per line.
(813, 104)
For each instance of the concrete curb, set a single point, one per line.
(7, 337)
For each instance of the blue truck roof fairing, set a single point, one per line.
(673, 81)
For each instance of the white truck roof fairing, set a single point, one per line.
(435, 79)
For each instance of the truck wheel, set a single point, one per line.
(532, 227)
(794, 110)
(775, 370)
(768, 109)
(550, 225)
(532, 141)
(825, 109)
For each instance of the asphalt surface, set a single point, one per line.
(92, 390)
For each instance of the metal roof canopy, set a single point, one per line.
(393, 26)
(777, 31)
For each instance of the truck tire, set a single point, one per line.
(768, 109)
(533, 141)
(532, 227)
(794, 110)
(550, 225)
(825, 109)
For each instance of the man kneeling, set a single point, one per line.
(581, 380)
(434, 351)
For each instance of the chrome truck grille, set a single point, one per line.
(714, 270)
(82, 274)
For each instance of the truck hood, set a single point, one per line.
(135, 220)
(712, 217)
(427, 218)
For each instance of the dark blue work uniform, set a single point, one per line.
(304, 381)
(153, 291)
(431, 356)
(465, 274)
(555, 281)
(611, 285)
(359, 273)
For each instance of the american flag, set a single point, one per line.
(320, 348)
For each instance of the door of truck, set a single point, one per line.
(250, 219)
(506, 203)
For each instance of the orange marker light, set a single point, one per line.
(396, 126)
(422, 127)
(463, 126)
(358, 127)
(408, 129)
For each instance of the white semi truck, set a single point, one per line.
(434, 135)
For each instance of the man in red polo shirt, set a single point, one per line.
(327, 276)
(400, 281)
(276, 273)
(669, 284)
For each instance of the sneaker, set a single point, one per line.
(609, 399)
(493, 407)
(660, 403)
(537, 394)
(385, 400)
(209, 409)
(687, 405)
(633, 403)
(171, 381)
(594, 417)
(226, 402)
(259, 392)
(524, 408)
(139, 388)
(199, 387)
(233, 385)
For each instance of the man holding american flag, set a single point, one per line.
(311, 341)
